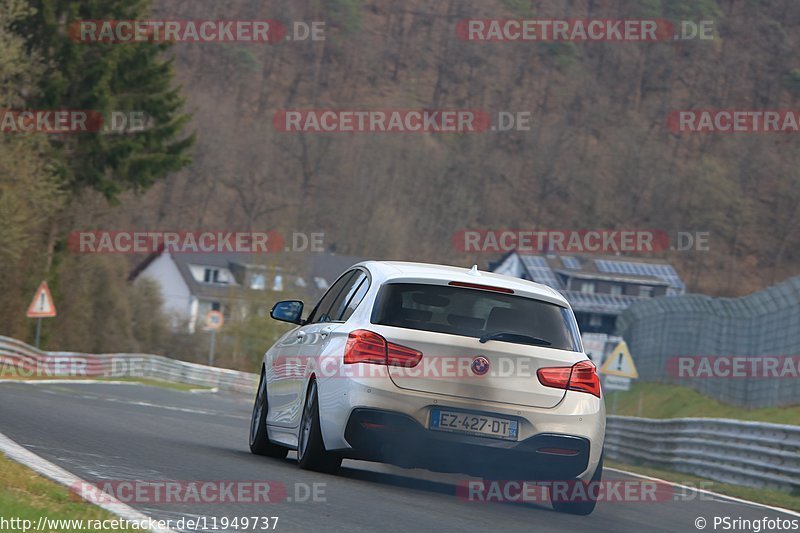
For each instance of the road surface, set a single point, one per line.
(109, 432)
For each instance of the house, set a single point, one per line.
(598, 288)
(192, 284)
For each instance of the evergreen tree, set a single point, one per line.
(104, 77)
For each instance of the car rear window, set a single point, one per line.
(474, 313)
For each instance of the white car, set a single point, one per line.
(438, 367)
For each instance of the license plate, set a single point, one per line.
(473, 424)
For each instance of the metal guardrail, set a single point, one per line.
(753, 454)
(18, 359)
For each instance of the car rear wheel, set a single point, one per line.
(584, 503)
(311, 454)
(259, 440)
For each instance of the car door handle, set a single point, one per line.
(326, 331)
(301, 335)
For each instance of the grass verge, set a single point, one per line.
(658, 400)
(26, 495)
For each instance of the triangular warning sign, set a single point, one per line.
(620, 363)
(42, 304)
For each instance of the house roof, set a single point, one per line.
(599, 303)
(543, 269)
(551, 269)
(306, 266)
(630, 278)
(329, 266)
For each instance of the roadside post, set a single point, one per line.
(41, 306)
(618, 370)
(214, 321)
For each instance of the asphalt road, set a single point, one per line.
(103, 432)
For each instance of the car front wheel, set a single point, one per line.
(259, 440)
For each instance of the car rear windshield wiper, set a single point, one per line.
(514, 337)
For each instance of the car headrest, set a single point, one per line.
(465, 322)
(414, 315)
(505, 319)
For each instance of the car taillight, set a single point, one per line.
(581, 377)
(404, 356)
(365, 346)
(584, 378)
(556, 377)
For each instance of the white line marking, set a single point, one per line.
(122, 401)
(205, 391)
(173, 408)
(723, 497)
(213, 390)
(17, 453)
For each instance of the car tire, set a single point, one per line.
(584, 506)
(311, 453)
(259, 440)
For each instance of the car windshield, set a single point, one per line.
(482, 314)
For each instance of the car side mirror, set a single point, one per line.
(288, 311)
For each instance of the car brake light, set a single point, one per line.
(364, 346)
(479, 286)
(581, 377)
(404, 356)
(584, 378)
(556, 377)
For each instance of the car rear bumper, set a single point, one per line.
(396, 438)
(374, 420)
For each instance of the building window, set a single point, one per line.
(211, 275)
(277, 283)
(587, 287)
(646, 291)
(258, 282)
(595, 321)
(616, 290)
(215, 306)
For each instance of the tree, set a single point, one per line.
(29, 191)
(105, 78)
